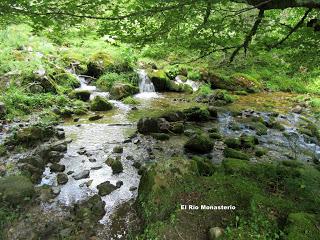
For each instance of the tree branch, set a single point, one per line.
(295, 28)
(250, 35)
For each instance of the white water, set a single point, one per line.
(145, 84)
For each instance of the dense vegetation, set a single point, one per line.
(234, 50)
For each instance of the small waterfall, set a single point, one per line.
(145, 84)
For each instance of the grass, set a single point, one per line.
(266, 198)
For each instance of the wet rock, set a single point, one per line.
(129, 157)
(82, 152)
(70, 172)
(56, 190)
(118, 149)
(92, 160)
(88, 184)
(76, 119)
(96, 168)
(119, 184)
(122, 90)
(61, 135)
(3, 110)
(136, 165)
(100, 104)
(199, 144)
(95, 117)
(215, 233)
(106, 188)
(115, 165)
(62, 178)
(54, 156)
(136, 141)
(83, 95)
(56, 167)
(16, 190)
(132, 188)
(34, 172)
(82, 175)
(159, 80)
(297, 109)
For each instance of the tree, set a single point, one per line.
(206, 25)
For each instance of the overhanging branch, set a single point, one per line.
(249, 36)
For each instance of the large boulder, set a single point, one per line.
(83, 95)
(122, 90)
(100, 104)
(237, 82)
(197, 114)
(159, 80)
(15, 190)
(153, 125)
(31, 135)
(98, 64)
(199, 144)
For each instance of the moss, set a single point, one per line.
(292, 163)
(130, 100)
(248, 141)
(259, 127)
(197, 114)
(277, 125)
(3, 150)
(100, 104)
(15, 190)
(203, 166)
(259, 152)
(302, 226)
(216, 136)
(83, 95)
(115, 165)
(177, 128)
(122, 90)
(232, 153)
(199, 144)
(160, 136)
(233, 142)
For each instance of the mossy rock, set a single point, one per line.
(83, 95)
(160, 136)
(115, 165)
(98, 64)
(31, 135)
(122, 90)
(100, 104)
(248, 141)
(277, 125)
(216, 136)
(199, 144)
(197, 114)
(159, 79)
(302, 226)
(106, 188)
(259, 152)
(233, 142)
(16, 190)
(232, 153)
(233, 165)
(177, 128)
(259, 127)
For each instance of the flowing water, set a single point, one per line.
(92, 144)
